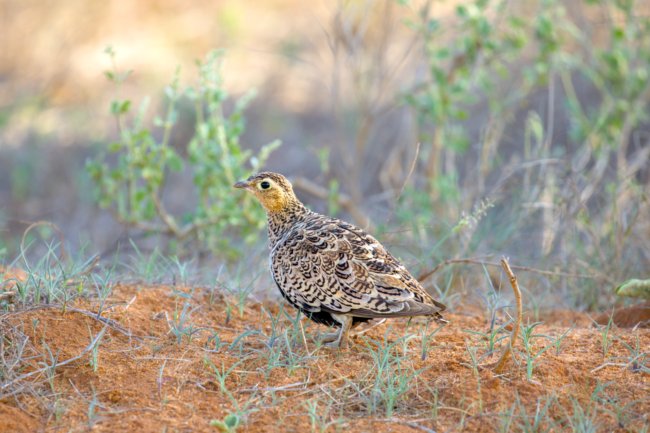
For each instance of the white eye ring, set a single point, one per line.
(264, 184)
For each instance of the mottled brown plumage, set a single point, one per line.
(332, 271)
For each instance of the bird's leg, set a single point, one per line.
(342, 337)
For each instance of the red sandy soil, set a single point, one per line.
(148, 382)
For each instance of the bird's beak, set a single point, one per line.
(242, 184)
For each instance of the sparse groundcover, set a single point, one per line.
(188, 358)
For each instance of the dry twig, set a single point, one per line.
(59, 232)
(423, 276)
(515, 330)
(346, 202)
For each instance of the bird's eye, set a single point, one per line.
(265, 184)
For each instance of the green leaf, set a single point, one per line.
(634, 288)
(118, 107)
(232, 421)
(175, 162)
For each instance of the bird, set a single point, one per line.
(332, 271)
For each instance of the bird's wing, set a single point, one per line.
(328, 265)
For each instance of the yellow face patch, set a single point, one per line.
(270, 194)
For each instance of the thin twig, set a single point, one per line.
(59, 232)
(410, 172)
(302, 333)
(298, 386)
(411, 424)
(436, 268)
(160, 379)
(344, 200)
(618, 364)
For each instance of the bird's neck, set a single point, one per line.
(280, 222)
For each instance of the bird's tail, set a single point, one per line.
(438, 318)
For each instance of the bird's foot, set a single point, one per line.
(334, 340)
(329, 337)
(337, 344)
(339, 339)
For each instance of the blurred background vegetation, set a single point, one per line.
(451, 129)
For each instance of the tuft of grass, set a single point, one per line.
(583, 420)
(474, 362)
(390, 377)
(605, 338)
(538, 422)
(320, 415)
(283, 347)
(180, 324)
(54, 277)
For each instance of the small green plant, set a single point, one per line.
(91, 413)
(493, 336)
(53, 277)
(283, 347)
(238, 416)
(149, 267)
(132, 189)
(240, 295)
(530, 354)
(221, 374)
(94, 351)
(229, 424)
(624, 414)
(474, 365)
(390, 378)
(637, 358)
(213, 343)
(320, 416)
(506, 419)
(180, 325)
(540, 421)
(560, 339)
(605, 338)
(425, 339)
(583, 420)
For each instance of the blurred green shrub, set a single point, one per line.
(577, 195)
(132, 187)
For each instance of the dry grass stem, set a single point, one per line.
(507, 352)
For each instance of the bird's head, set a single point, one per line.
(273, 191)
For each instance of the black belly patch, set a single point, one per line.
(325, 318)
(322, 317)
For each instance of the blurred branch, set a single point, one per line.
(426, 275)
(344, 201)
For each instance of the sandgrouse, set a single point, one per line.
(332, 271)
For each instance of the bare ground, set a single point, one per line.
(146, 380)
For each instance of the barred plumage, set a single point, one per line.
(332, 271)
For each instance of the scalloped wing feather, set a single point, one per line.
(327, 265)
